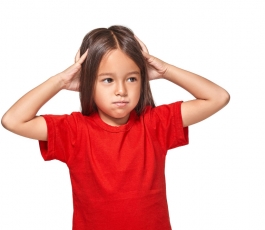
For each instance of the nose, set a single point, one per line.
(121, 90)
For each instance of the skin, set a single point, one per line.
(209, 97)
(116, 83)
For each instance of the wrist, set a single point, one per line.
(166, 74)
(59, 81)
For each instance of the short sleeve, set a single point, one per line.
(169, 129)
(61, 137)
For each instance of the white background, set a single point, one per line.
(215, 182)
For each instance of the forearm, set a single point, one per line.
(28, 105)
(198, 86)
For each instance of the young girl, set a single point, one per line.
(115, 148)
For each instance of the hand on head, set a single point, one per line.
(156, 68)
(77, 56)
(71, 76)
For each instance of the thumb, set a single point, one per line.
(146, 55)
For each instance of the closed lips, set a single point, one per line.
(120, 102)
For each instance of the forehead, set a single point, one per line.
(117, 61)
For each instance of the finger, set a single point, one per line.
(146, 55)
(144, 48)
(77, 56)
(83, 57)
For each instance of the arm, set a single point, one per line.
(21, 117)
(210, 97)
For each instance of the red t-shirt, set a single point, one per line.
(117, 173)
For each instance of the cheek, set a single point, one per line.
(97, 94)
(101, 96)
(137, 92)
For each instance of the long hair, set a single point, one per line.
(100, 41)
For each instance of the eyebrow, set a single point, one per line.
(111, 74)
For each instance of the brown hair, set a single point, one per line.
(100, 41)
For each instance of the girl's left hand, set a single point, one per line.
(156, 68)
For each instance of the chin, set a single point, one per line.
(120, 115)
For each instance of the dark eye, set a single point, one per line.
(132, 79)
(107, 80)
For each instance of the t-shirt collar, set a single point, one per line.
(122, 128)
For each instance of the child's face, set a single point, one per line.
(117, 93)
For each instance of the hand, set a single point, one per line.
(71, 76)
(156, 68)
(77, 56)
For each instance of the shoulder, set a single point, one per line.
(71, 119)
(165, 123)
(162, 115)
(163, 111)
(81, 120)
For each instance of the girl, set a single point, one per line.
(115, 148)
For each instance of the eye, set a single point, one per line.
(107, 80)
(132, 79)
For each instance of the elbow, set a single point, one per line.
(6, 122)
(223, 98)
(226, 98)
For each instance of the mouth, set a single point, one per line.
(121, 103)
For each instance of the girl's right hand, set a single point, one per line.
(71, 76)
(21, 118)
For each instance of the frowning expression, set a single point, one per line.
(117, 87)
